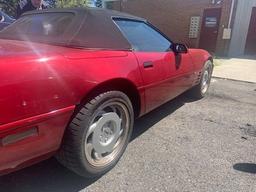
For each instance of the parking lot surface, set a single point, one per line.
(185, 145)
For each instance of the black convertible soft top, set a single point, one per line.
(91, 28)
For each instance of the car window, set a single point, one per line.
(49, 24)
(143, 37)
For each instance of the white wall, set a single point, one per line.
(241, 26)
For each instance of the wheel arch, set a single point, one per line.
(210, 58)
(118, 84)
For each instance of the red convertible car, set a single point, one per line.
(73, 81)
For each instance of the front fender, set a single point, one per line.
(199, 57)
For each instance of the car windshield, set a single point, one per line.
(38, 26)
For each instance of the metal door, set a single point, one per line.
(250, 47)
(209, 29)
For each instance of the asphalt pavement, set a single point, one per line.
(184, 146)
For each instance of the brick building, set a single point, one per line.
(221, 26)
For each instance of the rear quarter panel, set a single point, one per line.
(35, 85)
(41, 91)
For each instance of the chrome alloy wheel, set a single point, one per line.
(107, 134)
(206, 80)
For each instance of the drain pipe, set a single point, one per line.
(120, 4)
(231, 13)
(228, 31)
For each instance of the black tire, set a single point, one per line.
(197, 92)
(73, 154)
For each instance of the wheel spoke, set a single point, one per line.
(89, 148)
(98, 156)
(99, 115)
(114, 109)
(91, 129)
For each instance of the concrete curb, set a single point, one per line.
(223, 78)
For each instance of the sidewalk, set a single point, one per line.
(242, 69)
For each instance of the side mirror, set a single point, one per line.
(179, 48)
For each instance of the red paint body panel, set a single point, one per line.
(40, 85)
(169, 76)
(49, 137)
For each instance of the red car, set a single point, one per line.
(73, 81)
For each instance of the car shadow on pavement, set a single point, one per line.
(47, 176)
(245, 167)
(50, 176)
(146, 122)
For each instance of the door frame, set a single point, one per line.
(249, 33)
(203, 22)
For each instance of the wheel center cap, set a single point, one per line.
(106, 133)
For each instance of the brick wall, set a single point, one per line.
(173, 17)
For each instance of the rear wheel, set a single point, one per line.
(200, 90)
(98, 135)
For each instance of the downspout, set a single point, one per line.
(229, 26)
(231, 14)
(121, 5)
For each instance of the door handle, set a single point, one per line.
(148, 64)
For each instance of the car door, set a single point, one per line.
(180, 73)
(162, 71)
